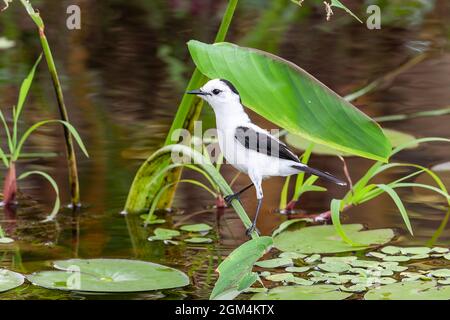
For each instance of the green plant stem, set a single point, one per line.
(70, 150)
(141, 194)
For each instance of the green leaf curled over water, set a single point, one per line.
(410, 290)
(299, 292)
(305, 106)
(201, 227)
(275, 263)
(324, 239)
(109, 275)
(10, 280)
(237, 267)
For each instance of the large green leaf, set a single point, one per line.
(291, 98)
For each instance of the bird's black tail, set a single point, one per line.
(320, 174)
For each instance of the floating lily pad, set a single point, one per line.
(237, 267)
(396, 258)
(10, 280)
(440, 250)
(297, 269)
(286, 224)
(275, 263)
(354, 288)
(201, 227)
(292, 255)
(281, 277)
(391, 250)
(109, 275)
(396, 138)
(365, 264)
(447, 256)
(440, 273)
(6, 240)
(312, 259)
(334, 267)
(154, 220)
(315, 292)
(375, 254)
(324, 239)
(164, 234)
(415, 250)
(347, 259)
(411, 290)
(419, 256)
(198, 240)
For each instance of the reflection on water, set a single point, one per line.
(123, 76)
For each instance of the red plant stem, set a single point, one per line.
(10, 186)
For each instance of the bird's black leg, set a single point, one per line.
(228, 199)
(253, 227)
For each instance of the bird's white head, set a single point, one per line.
(219, 93)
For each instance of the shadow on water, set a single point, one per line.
(123, 75)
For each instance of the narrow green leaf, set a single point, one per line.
(8, 133)
(335, 217)
(398, 202)
(284, 193)
(24, 89)
(27, 134)
(57, 204)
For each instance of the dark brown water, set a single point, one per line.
(123, 75)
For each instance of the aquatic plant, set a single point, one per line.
(15, 145)
(68, 135)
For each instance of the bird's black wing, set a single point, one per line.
(263, 143)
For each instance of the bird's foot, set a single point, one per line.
(250, 230)
(228, 199)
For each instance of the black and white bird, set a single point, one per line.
(249, 148)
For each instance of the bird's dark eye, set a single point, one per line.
(216, 91)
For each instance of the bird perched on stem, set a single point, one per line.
(250, 149)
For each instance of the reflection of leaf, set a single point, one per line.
(324, 239)
(236, 269)
(110, 275)
(291, 98)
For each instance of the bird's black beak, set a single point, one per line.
(198, 92)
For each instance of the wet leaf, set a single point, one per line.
(198, 240)
(375, 254)
(440, 273)
(397, 258)
(275, 263)
(237, 266)
(201, 227)
(334, 267)
(419, 256)
(10, 280)
(164, 234)
(297, 269)
(315, 292)
(347, 259)
(286, 224)
(312, 259)
(415, 250)
(280, 277)
(109, 275)
(440, 250)
(365, 264)
(354, 288)
(292, 255)
(410, 290)
(304, 105)
(324, 239)
(391, 250)
(447, 256)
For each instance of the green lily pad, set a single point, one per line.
(237, 267)
(365, 264)
(440, 250)
(415, 250)
(396, 138)
(440, 273)
(354, 288)
(312, 259)
(346, 259)
(334, 267)
(447, 256)
(315, 292)
(152, 221)
(286, 224)
(198, 240)
(164, 234)
(6, 240)
(301, 281)
(410, 290)
(419, 256)
(324, 239)
(297, 269)
(201, 227)
(10, 280)
(396, 258)
(444, 281)
(281, 277)
(292, 255)
(375, 254)
(109, 275)
(275, 263)
(391, 250)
